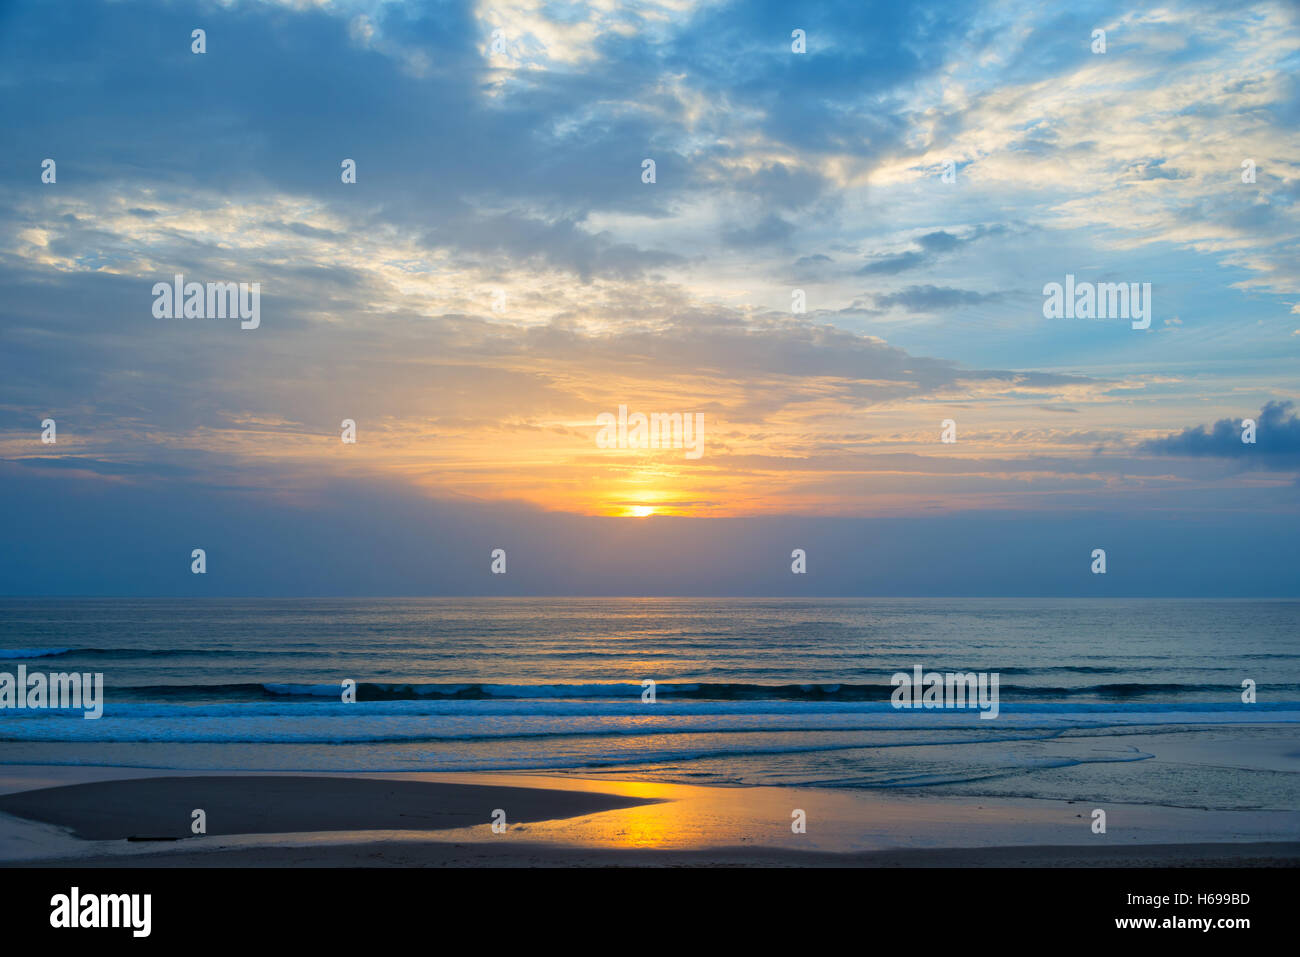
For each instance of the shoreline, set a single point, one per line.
(61, 816)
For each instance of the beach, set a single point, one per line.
(520, 733)
(435, 854)
(116, 817)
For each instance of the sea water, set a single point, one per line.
(747, 692)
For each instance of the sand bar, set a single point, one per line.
(162, 807)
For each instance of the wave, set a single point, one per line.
(361, 731)
(875, 692)
(478, 709)
(854, 696)
(429, 721)
(1012, 768)
(527, 761)
(17, 653)
(829, 693)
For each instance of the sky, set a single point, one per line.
(841, 254)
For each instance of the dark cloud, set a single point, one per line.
(1276, 446)
(782, 186)
(940, 241)
(932, 246)
(79, 463)
(770, 229)
(931, 298)
(282, 96)
(374, 538)
(889, 265)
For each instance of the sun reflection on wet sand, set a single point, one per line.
(692, 817)
(687, 817)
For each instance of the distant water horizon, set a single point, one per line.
(776, 691)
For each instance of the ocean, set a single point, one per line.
(747, 691)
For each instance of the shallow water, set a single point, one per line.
(791, 692)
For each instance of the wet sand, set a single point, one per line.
(162, 807)
(129, 817)
(437, 854)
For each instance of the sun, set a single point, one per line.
(641, 511)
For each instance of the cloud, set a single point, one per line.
(771, 229)
(900, 262)
(931, 298)
(78, 463)
(932, 245)
(519, 172)
(1276, 446)
(1154, 169)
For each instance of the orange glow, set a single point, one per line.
(816, 458)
